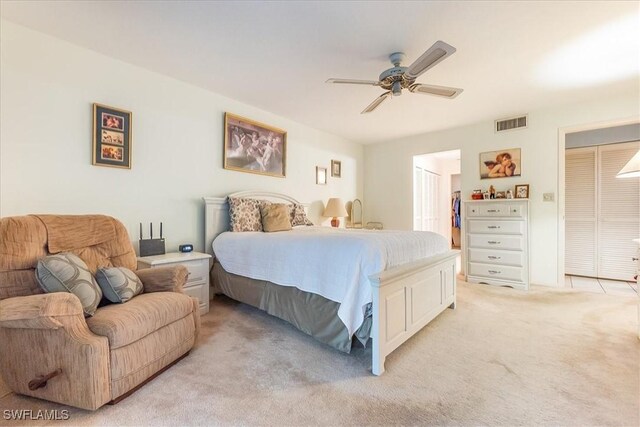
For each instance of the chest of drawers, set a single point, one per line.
(496, 234)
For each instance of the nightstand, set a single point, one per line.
(198, 265)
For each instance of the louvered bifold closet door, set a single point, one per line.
(619, 213)
(581, 249)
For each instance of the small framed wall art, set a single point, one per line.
(336, 168)
(522, 191)
(254, 147)
(111, 137)
(321, 175)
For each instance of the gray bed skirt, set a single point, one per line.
(311, 313)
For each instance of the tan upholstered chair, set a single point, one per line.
(87, 362)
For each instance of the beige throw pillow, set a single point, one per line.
(275, 217)
(297, 215)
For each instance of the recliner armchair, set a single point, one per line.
(47, 347)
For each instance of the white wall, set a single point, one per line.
(47, 89)
(455, 182)
(388, 170)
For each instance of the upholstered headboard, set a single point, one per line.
(216, 212)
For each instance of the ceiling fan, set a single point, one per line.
(397, 78)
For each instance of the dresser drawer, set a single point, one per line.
(487, 209)
(491, 256)
(201, 292)
(496, 271)
(197, 291)
(198, 271)
(495, 226)
(516, 211)
(496, 241)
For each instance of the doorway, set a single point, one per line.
(601, 211)
(436, 194)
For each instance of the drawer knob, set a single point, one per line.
(493, 257)
(634, 258)
(493, 242)
(493, 226)
(494, 272)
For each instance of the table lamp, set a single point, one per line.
(335, 208)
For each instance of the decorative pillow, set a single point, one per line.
(65, 272)
(244, 214)
(298, 215)
(275, 217)
(118, 284)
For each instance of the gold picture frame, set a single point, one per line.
(111, 137)
(336, 168)
(522, 191)
(254, 147)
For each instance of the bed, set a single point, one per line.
(299, 277)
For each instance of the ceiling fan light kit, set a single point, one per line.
(397, 78)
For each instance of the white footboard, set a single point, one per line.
(408, 297)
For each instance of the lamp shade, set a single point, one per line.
(631, 169)
(335, 208)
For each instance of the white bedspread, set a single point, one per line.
(334, 263)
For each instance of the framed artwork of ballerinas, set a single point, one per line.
(254, 147)
(500, 164)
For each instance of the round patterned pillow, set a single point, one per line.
(66, 272)
(118, 284)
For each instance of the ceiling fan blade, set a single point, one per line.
(376, 102)
(444, 91)
(436, 53)
(354, 82)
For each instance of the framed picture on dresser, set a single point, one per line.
(522, 191)
(111, 137)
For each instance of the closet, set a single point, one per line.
(602, 212)
(455, 219)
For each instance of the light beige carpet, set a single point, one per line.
(503, 357)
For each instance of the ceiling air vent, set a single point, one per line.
(511, 123)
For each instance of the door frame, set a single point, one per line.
(562, 134)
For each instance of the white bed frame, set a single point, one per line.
(405, 298)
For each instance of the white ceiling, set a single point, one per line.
(512, 57)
